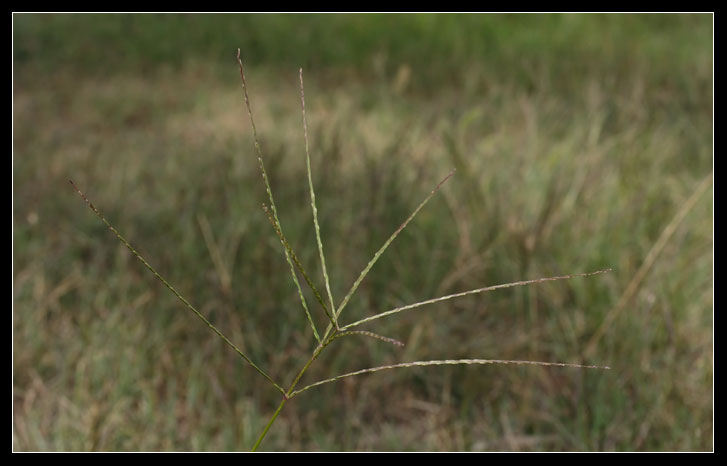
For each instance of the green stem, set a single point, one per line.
(270, 423)
(290, 393)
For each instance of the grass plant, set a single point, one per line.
(333, 313)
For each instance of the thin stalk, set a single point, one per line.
(465, 293)
(270, 197)
(313, 203)
(176, 293)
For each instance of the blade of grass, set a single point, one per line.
(383, 248)
(313, 202)
(176, 293)
(290, 252)
(270, 196)
(214, 250)
(442, 363)
(465, 293)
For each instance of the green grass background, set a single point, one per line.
(576, 138)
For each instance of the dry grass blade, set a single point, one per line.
(444, 362)
(465, 293)
(215, 254)
(646, 266)
(313, 203)
(386, 245)
(176, 293)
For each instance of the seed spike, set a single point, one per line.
(386, 245)
(174, 291)
(445, 362)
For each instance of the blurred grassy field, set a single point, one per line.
(577, 140)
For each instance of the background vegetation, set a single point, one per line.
(577, 141)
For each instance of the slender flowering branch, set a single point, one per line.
(386, 245)
(442, 363)
(272, 201)
(313, 204)
(176, 293)
(465, 293)
(288, 248)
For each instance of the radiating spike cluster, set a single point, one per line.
(334, 331)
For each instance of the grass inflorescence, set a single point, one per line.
(333, 313)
